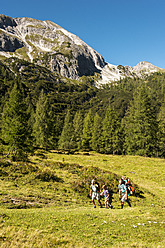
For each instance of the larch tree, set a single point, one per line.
(15, 130)
(42, 124)
(141, 125)
(77, 130)
(87, 131)
(161, 131)
(65, 141)
(97, 133)
(111, 132)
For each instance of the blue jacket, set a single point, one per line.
(122, 187)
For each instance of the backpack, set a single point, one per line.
(129, 186)
(132, 189)
(98, 187)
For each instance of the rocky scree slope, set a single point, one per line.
(47, 44)
(111, 73)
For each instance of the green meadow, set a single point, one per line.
(45, 202)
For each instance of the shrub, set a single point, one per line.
(47, 175)
(25, 168)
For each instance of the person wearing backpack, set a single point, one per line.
(95, 193)
(127, 182)
(123, 193)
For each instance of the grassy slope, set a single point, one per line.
(67, 218)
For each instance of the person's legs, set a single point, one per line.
(128, 202)
(109, 204)
(99, 203)
(123, 200)
(98, 199)
(93, 200)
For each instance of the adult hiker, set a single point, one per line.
(123, 193)
(106, 194)
(128, 184)
(95, 193)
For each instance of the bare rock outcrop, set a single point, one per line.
(47, 44)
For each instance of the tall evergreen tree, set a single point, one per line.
(15, 129)
(87, 131)
(97, 133)
(77, 130)
(31, 113)
(57, 126)
(141, 125)
(111, 132)
(65, 141)
(161, 131)
(42, 126)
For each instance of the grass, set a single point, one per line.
(23, 53)
(45, 202)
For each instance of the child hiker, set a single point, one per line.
(106, 194)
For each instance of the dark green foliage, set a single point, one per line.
(87, 131)
(15, 131)
(111, 132)
(43, 120)
(57, 125)
(83, 97)
(97, 134)
(65, 141)
(77, 130)
(141, 125)
(161, 131)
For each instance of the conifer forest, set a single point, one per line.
(41, 110)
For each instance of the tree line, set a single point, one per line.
(139, 129)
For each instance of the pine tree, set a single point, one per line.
(31, 113)
(65, 141)
(141, 125)
(57, 125)
(111, 132)
(42, 126)
(97, 133)
(161, 131)
(15, 130)
(87, 131)
(77, 130)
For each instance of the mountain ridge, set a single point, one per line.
(47, 44)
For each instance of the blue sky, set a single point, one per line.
(123, 31)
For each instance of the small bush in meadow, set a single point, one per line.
(46, 175)
(24, 168)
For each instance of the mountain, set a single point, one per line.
(46, 44)
(110, 73)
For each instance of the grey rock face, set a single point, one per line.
(47, 44)
(7, 22)
(9, 43)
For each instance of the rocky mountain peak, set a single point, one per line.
(47, 44)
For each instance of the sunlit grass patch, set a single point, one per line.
(83, 227)
(43, 212)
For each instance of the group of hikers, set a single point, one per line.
(124, 187)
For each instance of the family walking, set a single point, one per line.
(124, 189)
